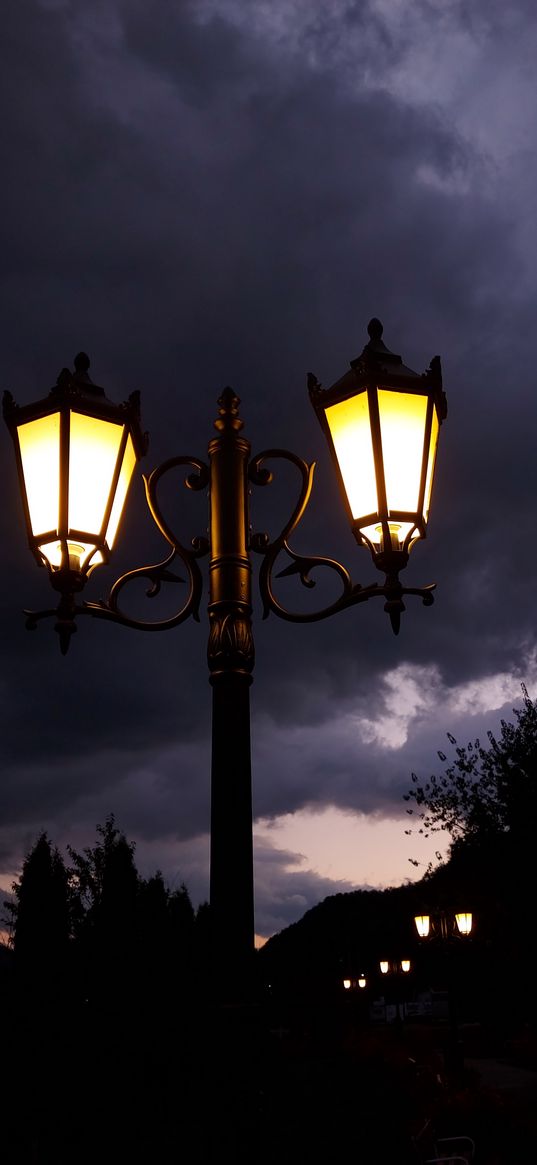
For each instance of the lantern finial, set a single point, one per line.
(81, 362)
(375, 329)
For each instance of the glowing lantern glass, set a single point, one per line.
(76, 453)
(384, 966)
(464, 923)
(382, 422)
(347, 984)
(423, 924)
(362, 982)
(405, 965)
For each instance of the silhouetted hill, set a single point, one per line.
(343, 935)
(347, 934)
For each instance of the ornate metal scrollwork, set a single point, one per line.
(302, 565)
(161, 571)
(156, 574)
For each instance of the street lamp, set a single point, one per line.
(382, 431)
(443, 926)
(395, 969)
(76, 453)
(386, 967)
(448, 929)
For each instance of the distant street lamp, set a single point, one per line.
(447, 929)
(443, 926)
(360, 982)
(464, 923)
(395, 968)
(76, 454)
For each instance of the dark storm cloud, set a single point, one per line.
(228, 193)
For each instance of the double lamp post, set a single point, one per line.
(77, 452)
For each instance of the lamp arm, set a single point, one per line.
(161, 572)
(302, 565)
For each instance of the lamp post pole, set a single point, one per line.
(231, 661)
(76, 452)
(448, 930)
(396, 972)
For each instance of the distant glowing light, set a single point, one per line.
(423, 924)
(464, 923)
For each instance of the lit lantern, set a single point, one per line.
(464, 923)
(405, 965)
(347, 984)
(384, 966)
(382, 422)
(423, 924)
(76, 453)
(362, 982)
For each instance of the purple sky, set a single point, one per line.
(224, 192)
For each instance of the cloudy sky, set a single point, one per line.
(225, 191)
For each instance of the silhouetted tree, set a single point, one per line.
(42, 923)
(104, 884)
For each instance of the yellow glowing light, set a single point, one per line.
(464, 923)
(384, 966)
(127, 470)
(433, 445)
(402, 426)
(350, 428)
(423, 923)
(362, 981)
(382, 465)
(405, 965)
(70, 475)
(398, 533)
(40, 454)
(347, 984)
(79, 554)
(93, 452)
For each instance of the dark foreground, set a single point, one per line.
(257, 1085)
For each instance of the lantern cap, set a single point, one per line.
(376, 358)
(77, 386)
(376, 347)
(377, 363)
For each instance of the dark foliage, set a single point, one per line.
(112, 1036)
(485, 793)
(102, 1002)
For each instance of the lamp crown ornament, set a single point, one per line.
(228, 412)
(375, 329)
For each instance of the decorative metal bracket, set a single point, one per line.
(156, 574)
(302, 565)
(161, 572)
